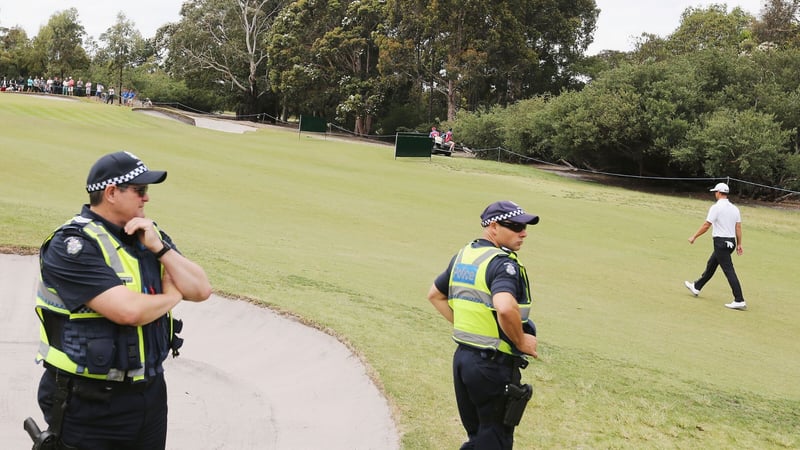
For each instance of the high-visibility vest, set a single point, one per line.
(87, 344)
(474, 321)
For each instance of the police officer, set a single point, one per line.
(109, 280)
(485, 294)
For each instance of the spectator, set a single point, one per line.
(448, 139)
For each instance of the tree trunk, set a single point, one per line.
(451, 101)
(359, 125)
(367, 125)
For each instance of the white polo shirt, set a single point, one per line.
(724, 216)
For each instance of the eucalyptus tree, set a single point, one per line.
(554, 35)
(57, 48)
(122, 48)
(293, 76)
(222, 43)
(485, 53)
(324, 59)
(15, 49)
(779, 23)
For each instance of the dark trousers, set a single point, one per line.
(480, 383)
(109, 415)
(721, 257)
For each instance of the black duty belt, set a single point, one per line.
(91, 387)
(503, 359)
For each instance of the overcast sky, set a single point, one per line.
(619, 24)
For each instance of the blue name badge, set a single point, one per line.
(465, 273)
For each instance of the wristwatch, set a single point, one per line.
(164, 250)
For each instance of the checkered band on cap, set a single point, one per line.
(505, 216)
(140, 169)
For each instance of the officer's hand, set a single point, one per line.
(529, 344)
(143, 228)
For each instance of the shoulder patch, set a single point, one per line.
(74, 245)
(510, 268)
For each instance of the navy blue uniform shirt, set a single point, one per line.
(79, 276)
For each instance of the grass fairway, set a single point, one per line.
(350, 239)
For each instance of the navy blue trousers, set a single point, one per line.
(109, 415)
(721, 257)
(480, 383)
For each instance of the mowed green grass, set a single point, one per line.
(350, 239)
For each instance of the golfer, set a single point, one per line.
(726, 221)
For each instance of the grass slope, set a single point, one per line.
(350, 239)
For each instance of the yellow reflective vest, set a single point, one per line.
(474, 321)
(84, 342)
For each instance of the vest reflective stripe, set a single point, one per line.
(109, 248)
(127, 269)
(469, 296)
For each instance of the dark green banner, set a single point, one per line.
(412, 145)
(313, 124)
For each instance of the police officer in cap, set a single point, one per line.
(485, 294)
(109, 280)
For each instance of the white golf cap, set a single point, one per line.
(721, 187)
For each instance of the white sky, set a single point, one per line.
(620, 21)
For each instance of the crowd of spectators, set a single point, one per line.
(69, 87)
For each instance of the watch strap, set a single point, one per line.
(164, 250)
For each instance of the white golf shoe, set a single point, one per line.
(736, 305)
(690, 287)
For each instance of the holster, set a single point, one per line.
(517, 398)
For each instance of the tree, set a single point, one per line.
(14, 50)
(124, 48)
(325, 59)
(293, 75)
(488, 52)
(744, 144)
(710, 27)
(778, 23)
(57, 48)
(348, 56)
(220, 43)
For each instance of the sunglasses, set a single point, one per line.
(513, 226)
(140, 189)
